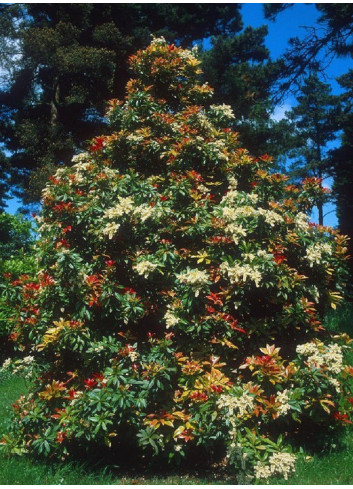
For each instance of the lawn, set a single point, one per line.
(335, 467)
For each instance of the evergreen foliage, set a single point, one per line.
(16, 240)
(332, 37)
(341, 164)
(316, 124)
(242, 73)
(178, 305)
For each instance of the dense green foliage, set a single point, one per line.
(15, 235)
(324, 468)
(178, 308)
(16, 241)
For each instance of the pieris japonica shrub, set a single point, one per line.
(180, 291)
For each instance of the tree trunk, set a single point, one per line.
(320, 205)
(54, 103)
(320, 208)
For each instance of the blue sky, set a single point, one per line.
(289, 23)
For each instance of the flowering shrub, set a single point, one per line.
(180, 291)
(16, 239)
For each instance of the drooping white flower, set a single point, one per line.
(124, 206)
(316, 253)
(170, 319)
(110, 229)
(195, 278)
(282, 463)
(145, 267)
(282, 398)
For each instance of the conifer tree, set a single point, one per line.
(315, 118)
(61, 62)
(178, 304)
(341, 164)
(242, 73)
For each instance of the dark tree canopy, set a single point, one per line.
(316, 124)
(341, 163)
(242, 72)
(63, 60)
(331, 37)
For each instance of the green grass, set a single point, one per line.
(333, 468)
(328, 468)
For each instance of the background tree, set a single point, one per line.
(332, 37)
(60, 62)
(315, 118)
(242, 73)
(341, 164)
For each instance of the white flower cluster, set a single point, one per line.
(194, 277)
(271, 217)
(6, 364)
(281, 463)
(307, 349)
(81, 161)
(236, 231)
(237, 273)
(81, 166)
(218, 147)
(282, 398)
(60, 172)
(143, 212)
(335, 384)
(170, 319)
(233, 183)
(158, 41)
(224, 111)
(110, 229)
(334, 358)
(205, 124)
(46, 192)
(330, 356)
(233, 213)
(264, 254)
(124, 206)
(315, 252)
(134, 138)
(262, 471)
(240, 406)
(315, 293)
(145, 267)
(133, 355)
(301, 221)
(253, 197)
(17, 366)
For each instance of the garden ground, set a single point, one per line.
(331, 467)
